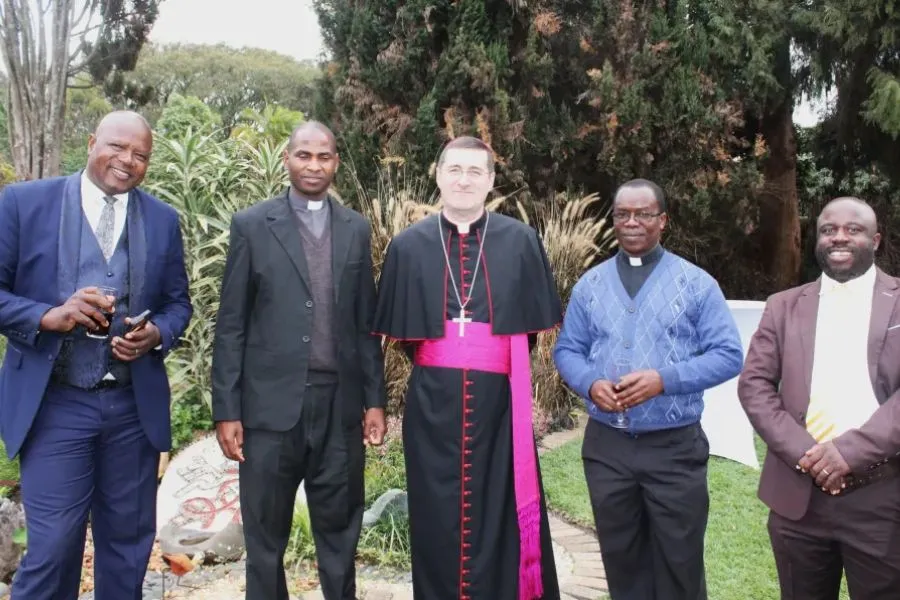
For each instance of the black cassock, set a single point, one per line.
(458, 445)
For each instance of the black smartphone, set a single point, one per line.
(138, 321)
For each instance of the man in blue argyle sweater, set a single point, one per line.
(645, 333)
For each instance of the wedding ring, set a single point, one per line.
(826, 471)
(135, 352)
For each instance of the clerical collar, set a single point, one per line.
(637, 261)
(301, 202)
(454, 228)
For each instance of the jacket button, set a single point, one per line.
(50, 357)
(305, 339)
(309, 304)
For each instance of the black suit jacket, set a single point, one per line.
(262, 339)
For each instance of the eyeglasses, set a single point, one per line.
(623, 216)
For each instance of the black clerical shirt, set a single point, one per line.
(634, 276)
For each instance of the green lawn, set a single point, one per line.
(739, 559)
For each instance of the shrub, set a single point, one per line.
(207, 181)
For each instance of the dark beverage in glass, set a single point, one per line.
(102, 332)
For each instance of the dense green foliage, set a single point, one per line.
(584, 95)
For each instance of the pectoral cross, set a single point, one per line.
(462, 320)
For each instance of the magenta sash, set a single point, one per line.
(479, 350)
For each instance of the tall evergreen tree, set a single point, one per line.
(584, 94)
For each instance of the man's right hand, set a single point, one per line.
(82, 308)
(230, 435)
(603, 395)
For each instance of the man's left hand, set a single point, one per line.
(825, 464)
(638, 387)
(374, 427)
(136, 343)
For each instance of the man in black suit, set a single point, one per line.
(297, 377)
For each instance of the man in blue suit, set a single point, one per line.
(88, 417)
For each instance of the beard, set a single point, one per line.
(863, 258)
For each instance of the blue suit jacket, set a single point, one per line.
(39, 239)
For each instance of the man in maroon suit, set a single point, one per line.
(821, 385)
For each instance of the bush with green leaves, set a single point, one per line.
(207, 181)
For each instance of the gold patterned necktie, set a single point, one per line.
(105, 227)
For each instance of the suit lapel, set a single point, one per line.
(70, 221)
(807, 313)
(884, 297)
(137, 253)
(341, 239)
(284, 227)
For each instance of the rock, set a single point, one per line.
(198, 502)
(224, 545)
(12, 519)
(392, 502)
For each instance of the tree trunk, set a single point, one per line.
(779, 218)
(37, 83)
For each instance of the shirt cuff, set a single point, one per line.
(670, 378)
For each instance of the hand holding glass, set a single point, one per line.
(102, 332)
(621, 368)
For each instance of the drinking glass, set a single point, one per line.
(621, 368)
(101, 332)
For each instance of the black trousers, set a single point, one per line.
(650, 501)
(329, 459)
(857, 534)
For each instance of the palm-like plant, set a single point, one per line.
(207, 181)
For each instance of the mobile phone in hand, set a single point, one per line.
(139, 321)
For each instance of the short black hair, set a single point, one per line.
(467, 142)
(658, 192)
(313, 125)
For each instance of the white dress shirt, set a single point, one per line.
(841, 395)
(92, 204)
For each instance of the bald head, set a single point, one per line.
(122, 118)
(119, 152)
(864, 210)
(312, 127)
(846, 238)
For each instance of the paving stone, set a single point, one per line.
(580, 546)
(598, 583)
(583, 593)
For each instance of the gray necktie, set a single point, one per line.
(105, 227)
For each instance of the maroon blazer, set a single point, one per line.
(774, 390)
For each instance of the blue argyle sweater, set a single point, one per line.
(678, 324)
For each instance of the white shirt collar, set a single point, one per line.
(863, 283)
(90, 192)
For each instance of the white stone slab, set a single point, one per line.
(200, 490)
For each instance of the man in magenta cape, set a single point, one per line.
(466, 292)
